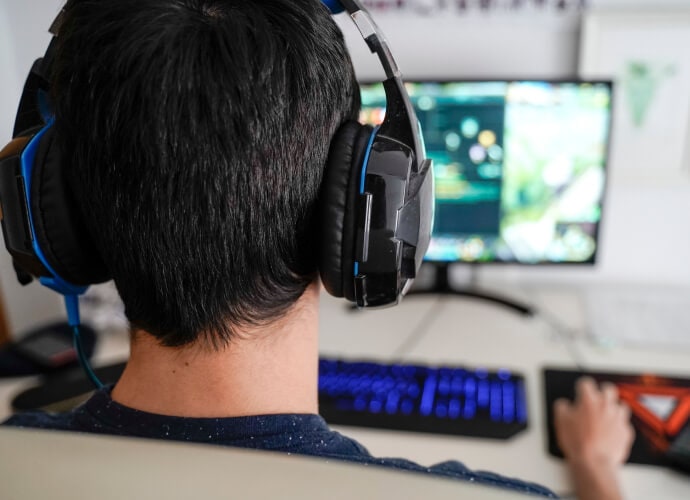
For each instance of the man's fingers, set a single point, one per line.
(586, 390)
(610, 392)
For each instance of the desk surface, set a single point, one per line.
(464, 331)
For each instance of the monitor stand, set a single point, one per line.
(442, 285)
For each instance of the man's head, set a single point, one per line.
(195, 133)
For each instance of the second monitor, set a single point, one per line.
(519, 166)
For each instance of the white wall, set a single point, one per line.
(626, 4)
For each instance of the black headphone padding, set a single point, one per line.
(59, 227)
(338, 199)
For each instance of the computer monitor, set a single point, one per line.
(519, 166)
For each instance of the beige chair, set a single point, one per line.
(36, 464)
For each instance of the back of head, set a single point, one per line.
(195, 134)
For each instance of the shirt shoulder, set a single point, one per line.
(42, 420)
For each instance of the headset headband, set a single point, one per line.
(399, 109)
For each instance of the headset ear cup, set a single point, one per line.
(338, 202)
(58, 225)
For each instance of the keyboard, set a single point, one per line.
(442, 400)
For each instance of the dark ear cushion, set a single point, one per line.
(338, 202)
(59, 227)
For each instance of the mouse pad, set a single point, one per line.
(660, 408)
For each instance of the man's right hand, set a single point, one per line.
(595, 435)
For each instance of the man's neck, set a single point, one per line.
(267, 370)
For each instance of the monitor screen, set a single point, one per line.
(519, 166)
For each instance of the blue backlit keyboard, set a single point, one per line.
(442, 400)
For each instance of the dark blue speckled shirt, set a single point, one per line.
(292, 433)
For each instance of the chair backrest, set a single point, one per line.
(38, 464)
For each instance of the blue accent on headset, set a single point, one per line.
(356, 268)
(44, 106)
(365, 162)
(54, 282)
(334, 6)
(72, 306)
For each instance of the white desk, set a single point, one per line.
(469, 332)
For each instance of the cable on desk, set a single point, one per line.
(420, 329)
(566, 335)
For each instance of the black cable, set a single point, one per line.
(420, 329)
(566, 335)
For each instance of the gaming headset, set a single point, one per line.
(376, 200)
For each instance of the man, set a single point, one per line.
(195, 134)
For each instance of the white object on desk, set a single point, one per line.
(656, 317)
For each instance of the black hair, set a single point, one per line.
(195, 134)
